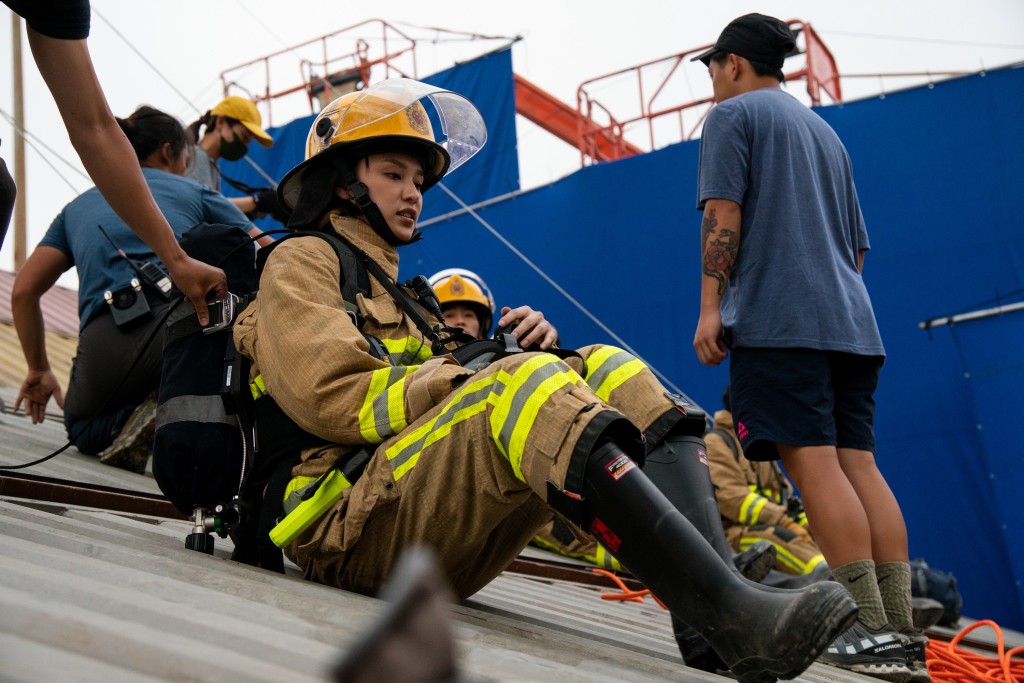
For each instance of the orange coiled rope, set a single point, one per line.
(949, 663)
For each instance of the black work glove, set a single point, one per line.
(267, 203)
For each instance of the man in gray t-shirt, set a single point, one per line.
(783, 242)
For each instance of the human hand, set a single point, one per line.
(199, 281)
(267, 203)
(531, 327)
(709, 340)
(36, 390)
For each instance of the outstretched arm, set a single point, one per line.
(720, 244)
(111, 162)
(35, 278)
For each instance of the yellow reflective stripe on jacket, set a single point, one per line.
(407, 351)
(383, 411)
(608, 368)
(606, 559)
(750, 508)
(526, 391)
(257, 387)
(308, 511)
(471, 399)
(767, 493)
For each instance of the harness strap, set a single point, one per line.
(403, 299)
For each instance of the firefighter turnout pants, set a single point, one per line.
(470, 477)
(794, 554)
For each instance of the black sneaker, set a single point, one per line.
(915, 643)
(873, 652)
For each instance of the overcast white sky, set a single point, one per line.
(563, 44)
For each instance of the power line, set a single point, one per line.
(166, 80)
(913, 39)
(45, 159)
(25, 135)
(143, 58)
(561, 290)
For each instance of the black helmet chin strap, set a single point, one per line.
(361, 196)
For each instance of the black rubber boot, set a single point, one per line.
(760, 634)
(678, 467)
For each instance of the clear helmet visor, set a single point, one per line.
(401, 106)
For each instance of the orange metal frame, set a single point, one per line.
(598, 142)
(394, 44)
(579, 127)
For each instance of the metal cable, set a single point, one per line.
(561, 290)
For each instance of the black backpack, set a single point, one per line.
(929, 582)
(198, 448)
(204, 455)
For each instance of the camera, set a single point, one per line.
(222, 314)
(128, 304)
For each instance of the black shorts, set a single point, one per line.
(802, 397)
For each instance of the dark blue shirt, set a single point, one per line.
(796, 281)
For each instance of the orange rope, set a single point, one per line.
(949, 663)
(626, 595)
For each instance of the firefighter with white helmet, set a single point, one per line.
(403, 445)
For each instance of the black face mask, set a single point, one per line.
(234, 150)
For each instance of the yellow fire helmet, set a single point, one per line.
(460, 286)
(444, 127)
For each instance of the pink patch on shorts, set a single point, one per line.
(741, 430)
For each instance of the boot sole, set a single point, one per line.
(837, 612)
(894, 673)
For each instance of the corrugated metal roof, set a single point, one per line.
(93, 595)
(60, 306)
(60, 316)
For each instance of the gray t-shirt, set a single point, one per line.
(796, 282)
(203, 169)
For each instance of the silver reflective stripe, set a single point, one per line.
(382, 418)
(523, 394)
(448, 415)
(208, 409)
(610, 365)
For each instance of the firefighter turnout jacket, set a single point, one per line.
(752, 498)
(463, 462)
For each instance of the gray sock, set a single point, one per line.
(894, 587)
(859, 578)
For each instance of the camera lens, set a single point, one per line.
(124, 298)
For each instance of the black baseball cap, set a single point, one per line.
(757, 37)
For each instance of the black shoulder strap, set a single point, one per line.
(728, 438)
(350, 263)
(407, 303)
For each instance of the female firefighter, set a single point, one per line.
(471, 463)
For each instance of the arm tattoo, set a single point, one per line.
(720, 247)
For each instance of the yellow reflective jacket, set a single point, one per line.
(308, 354)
